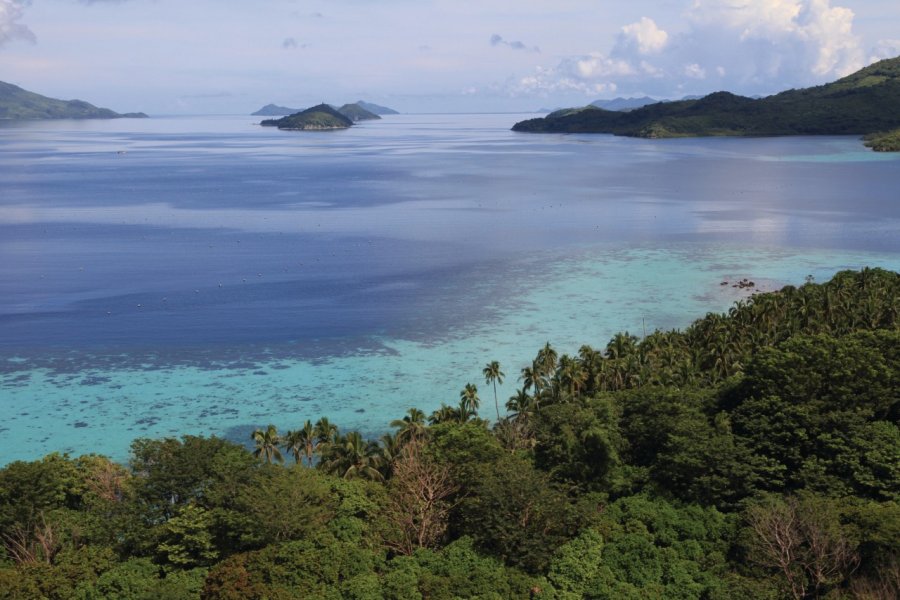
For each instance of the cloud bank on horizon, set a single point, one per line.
(436, 56)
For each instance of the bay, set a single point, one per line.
(206, 275)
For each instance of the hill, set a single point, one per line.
(273, 110)
(624, 104)
(355, 112)
(376, 108)
(320, 117)
(16, 103)
(867, 101)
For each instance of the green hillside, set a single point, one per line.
(16, 104)
(865, 102)
(318, 117)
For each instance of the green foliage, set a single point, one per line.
(513, 512)
(884, 142)
(575, 564)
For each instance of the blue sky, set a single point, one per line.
(224, 56)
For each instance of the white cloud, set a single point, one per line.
(884, 49)
(10, 29)
(695, 71)
(759, 46)
(644, 37)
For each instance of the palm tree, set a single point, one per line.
(546, 360)
(267, 444)
(493, 375)
(445, 414)
(293, 443)
(411, 427)
(469, 401)
(351, 456)
(309, 441)
(519, 405)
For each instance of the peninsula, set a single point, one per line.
(19, 104)
(865, 102)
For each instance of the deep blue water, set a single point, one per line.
(178, 262)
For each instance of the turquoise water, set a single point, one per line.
(228, 277)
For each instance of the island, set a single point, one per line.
(376, 108)
(355, 112)
(318, 118)
(360, 107)
(273, 110)
(19, 104)
(865, 102)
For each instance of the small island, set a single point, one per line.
(865, 102)
(19, 104)
(355, 112)
(321, 117)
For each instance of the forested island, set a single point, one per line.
(867, 101)
(755, 454)
(316, 118)
(19, 104)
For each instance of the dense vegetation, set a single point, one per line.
(16, 103)
(884, 142)
(864, 102)
(754, 455)
(321, 116)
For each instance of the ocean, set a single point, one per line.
(204, 275)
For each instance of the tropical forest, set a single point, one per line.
(754, 454)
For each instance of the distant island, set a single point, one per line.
(355, 112)
(624, 104)
(273, 110)
(19, 104)
(865, 102)
(317, 118)
(376, 108)
(359, 107)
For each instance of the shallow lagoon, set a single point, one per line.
(218, 276)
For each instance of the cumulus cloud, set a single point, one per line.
(643, 37)
(885, 49)
(10, 28)
(497, 40)
(748, 47)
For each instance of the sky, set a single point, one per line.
(232, 57)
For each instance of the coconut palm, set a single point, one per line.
(351, 456)
(292, 442)
(267, 443)
(469, 401)
(493, 375)
(411, 427)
